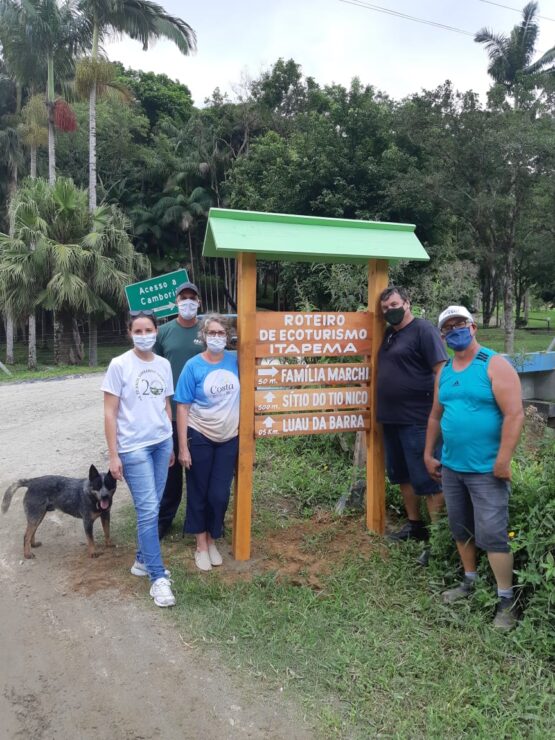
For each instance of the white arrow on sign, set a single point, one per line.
(268, 422)
(269, 397)
(270, 371)
(164, 308)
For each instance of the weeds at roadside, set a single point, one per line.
(369, 650)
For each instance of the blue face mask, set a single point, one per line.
(459, 339)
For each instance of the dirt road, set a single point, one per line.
(82, 654)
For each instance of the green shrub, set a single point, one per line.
(532, 533)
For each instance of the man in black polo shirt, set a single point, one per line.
(411, 353)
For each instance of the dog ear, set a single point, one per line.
(93, 473)
(110, 482)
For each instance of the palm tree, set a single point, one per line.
(50, 35)
(66, 259)
(10, 156)
(143, 20)
(511, 64)
(109, 244)
(516, 75)
(34, 129)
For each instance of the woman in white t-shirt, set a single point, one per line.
(137, 423)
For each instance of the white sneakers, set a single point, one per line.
(205, 559)
(202, 560)
(139, 569)
(214, 555)
(162, 593)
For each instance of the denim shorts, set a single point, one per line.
(404, 455)
(478, 508)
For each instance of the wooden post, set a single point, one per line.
(375, 461)
(246, 315)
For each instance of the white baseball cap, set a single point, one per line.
(454, 312)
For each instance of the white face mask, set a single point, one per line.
(216, 344)
(187, 308)
(144, 342)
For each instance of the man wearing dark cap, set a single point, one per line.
(176, 341)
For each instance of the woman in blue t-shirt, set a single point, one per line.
(207, 398)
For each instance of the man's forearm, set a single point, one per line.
(510, 434)
(432, 433)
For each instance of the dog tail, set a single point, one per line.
(6, 501)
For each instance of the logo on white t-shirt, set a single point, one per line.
(149, 383)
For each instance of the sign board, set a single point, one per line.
(284, 425)
(322, 374)
(281, 334)
(156, 294)
(308, 399)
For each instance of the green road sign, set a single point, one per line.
(156, 294)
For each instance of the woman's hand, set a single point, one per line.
(116, 468)
(185, 457)
(172, 460)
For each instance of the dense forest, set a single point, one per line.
(107, 174)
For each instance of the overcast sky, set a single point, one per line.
(333, 41)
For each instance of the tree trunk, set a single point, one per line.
(32, 353)
(64, 351)
(77, 351)
(9, 340)
(33, 168)
(51, 153)
(526, 306)
(192, 255)
(92, 148)
(93, 343)
(18, 97)
(508, 302)
(50, 96)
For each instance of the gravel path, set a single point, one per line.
(83, 655)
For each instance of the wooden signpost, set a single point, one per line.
(283, 393)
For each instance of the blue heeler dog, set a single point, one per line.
(83, 498)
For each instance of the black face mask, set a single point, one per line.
(394, 316)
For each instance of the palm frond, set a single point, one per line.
(540, 63)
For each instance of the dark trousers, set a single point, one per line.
(209, 483)
(173, 491)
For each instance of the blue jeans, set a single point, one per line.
(477, 508)
(209, 483)
(404, 454)
(145, 471)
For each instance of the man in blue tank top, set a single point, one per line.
(478, 410)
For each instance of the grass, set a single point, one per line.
(374, 653)
(46, 368)
(371, 651)
(525, 341)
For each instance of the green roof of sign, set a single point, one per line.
(285, 237)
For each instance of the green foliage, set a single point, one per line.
(123, 154)
(62, 257)
(311, 472)
(159, 97)
(368, 648)
(532, 532)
